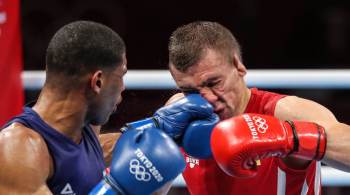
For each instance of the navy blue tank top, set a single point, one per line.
(77, 167)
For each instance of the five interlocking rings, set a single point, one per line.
(260, 123)
(139, 171)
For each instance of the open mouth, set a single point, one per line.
(222, 113)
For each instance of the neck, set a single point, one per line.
(245, 99)
(64, 111)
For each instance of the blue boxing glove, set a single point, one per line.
(174, 118)
(143, 161)
(196, 139)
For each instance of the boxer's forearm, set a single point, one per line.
(108, 141)
(338, 146)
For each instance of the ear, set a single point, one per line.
(96, 81)
(242, 70)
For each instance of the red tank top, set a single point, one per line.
(204, 177)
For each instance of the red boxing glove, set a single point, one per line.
(238, 142)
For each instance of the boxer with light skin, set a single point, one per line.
(205, 57)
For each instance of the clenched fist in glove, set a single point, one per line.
(238, 141)
(143, 161)
(188, 120)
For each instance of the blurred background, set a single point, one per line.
(273, 34)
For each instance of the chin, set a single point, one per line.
(96, 123)
(100, 121)
(223, 116)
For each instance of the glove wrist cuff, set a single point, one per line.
(141, 124)
(311, 140)
(114, 184)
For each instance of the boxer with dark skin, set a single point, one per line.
(85, 65)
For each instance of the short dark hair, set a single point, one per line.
(187, 43)
(81, 47)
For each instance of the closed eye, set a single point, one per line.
(212, 84)
(190, 91)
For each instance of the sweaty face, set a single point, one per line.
(110, 94)
(217, 80)
(115, 87)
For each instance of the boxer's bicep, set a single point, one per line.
(25, 162)
(107, 142)
(338, 134)
(296, 108)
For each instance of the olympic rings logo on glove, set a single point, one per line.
(139, 171)
(261, 124)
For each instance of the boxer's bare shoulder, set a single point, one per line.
(25, 161)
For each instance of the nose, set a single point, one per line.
(119, 97)
(209, 95)
(122, 85)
